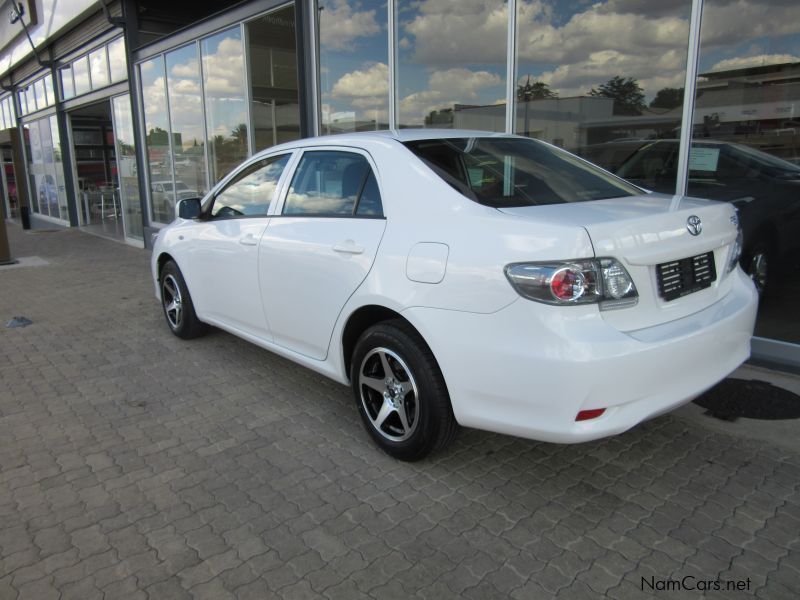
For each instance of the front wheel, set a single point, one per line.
(177, 304)
(400, 392)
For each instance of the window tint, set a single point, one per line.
(252, 190)
(328, 183)
(506, 172)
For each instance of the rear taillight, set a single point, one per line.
(602, 281)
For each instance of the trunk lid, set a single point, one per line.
(643, 232)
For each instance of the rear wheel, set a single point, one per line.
(177, 304)
(400, 392)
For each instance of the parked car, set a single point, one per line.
(468, 278)
(765, 189)
(165, 197)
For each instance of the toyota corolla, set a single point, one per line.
(464, 278)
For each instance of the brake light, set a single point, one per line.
(603, 281)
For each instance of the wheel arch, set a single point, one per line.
(362, 319)
(163, 259)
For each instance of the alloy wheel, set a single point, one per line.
(388, 394)
(173, 302)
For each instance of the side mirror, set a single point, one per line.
(189, 208)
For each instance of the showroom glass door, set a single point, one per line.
(127, 177)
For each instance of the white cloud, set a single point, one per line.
(224, 70)
(340, 24)
(445, 89)
(370, 81)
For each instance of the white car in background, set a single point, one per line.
(456, 277)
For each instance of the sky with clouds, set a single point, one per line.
(455, 52)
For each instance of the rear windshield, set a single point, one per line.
(507, 172)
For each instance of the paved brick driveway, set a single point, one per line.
(134, 465)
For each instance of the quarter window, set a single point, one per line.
(251, 192)
(331, 183)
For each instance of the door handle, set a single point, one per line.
(248, 240)
(348, 247)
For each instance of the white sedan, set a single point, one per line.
(455, 277)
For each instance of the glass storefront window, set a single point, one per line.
(452, 64)
(30, 98)
(67, 84)
(23, 103)
(159, 163)
(41, 96)
(48, 90)
(98, 63)
(746, 144)
(46, 170)
(353, 69)
(275, 107)
(224, 96)
(126, 166)
(602, 79)
(117, 60)
(80, 71)
(186, 114)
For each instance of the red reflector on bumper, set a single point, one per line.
(585, 415)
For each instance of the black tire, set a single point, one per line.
(181, 318)
(415, 387)
(756, 262)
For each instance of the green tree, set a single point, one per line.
(626, 92)
(668, 97)
(538, 90)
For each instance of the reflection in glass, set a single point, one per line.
(186, 113)
(601, 78)
(41, 97)
(48, 90)
(452, 64)
(30, 98)
(58, 167)
(273, 76)
(117, 61)
(353, 69)
(159, 164)
(48, 195)
(23, 103)
(126, 166)
(746, 148)
(67, 84)
(226, 109)
(98, 62)
(252, 191)
(80, 71)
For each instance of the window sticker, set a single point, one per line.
(475, 176)
(703, 159)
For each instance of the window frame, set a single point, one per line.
(242, 171)
(295, 165)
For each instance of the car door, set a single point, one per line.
(320, 247)
(223, 264)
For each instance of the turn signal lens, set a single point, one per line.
(593, 413)
(604, 281)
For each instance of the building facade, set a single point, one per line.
(111, 111)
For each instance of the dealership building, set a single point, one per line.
(111, 111)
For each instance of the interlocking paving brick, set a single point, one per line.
(136, 465)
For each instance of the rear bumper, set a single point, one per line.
(528, 369)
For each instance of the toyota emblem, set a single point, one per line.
(694, 225)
